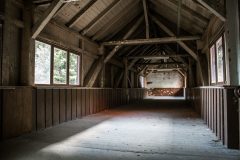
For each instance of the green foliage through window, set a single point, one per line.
(73, 69)
(60, 66)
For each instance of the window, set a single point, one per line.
(73, 69)
(217, 59)
(42, 63)
(55, 66)
(60, 66)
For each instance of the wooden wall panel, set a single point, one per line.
(91, 101)
(56, 106)
(219, 111)
(83, 102)
(68, 104)
(79, 104)
(87, 102)
(62, 105)
(74, 104)
(34, 109)
(41, 109)
(49, 107)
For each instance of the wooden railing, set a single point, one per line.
(26, 109)
(218, 107)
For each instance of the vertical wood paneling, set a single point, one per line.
(83, 102)
(34, 109)
(40, 109)
(62, 105)
(87, 102)
(79, 104)
(69, 104)
(56, 106)
(49, 108)
(91, 100)
(74, 104)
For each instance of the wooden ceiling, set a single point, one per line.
(110, 20)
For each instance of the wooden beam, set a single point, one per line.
(76, 18)
(159, 57)
(179, 17)
(170, 33)
(167, 63)
(127, 35)
(146, 18)
(211, 9)
(93, 72)
(152, 41)
(42, 22)
(114, 21)
(95, 21)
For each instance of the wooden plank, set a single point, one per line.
(83, 102)
(79, 103)
(49, 107)
(68, 104)
(56, 106)
(87, 102)
(41, 109)
(34, 109)
(62, 105)
(76, 17)
(46, 17)
(74, 104)
(91, 101)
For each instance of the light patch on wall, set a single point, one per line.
(172, 79)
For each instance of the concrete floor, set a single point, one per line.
(150, 130)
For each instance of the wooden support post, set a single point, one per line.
(42, 22)
(81, 64)
(146, 18)
(112, 76)
(27, 56)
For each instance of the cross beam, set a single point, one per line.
(152, 41)
(158, 57)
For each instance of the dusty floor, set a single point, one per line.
(149, 130)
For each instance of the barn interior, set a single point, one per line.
(119, 79)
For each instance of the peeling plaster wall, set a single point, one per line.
(165, 80)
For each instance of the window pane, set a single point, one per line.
(42, 63)
(213, 64)
(60, 66)
(220, 61)
(73, 69)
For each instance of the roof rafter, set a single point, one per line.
(42, 22)
(76, 18)
(95, 21)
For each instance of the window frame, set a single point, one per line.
(79, 55)
(214, 44)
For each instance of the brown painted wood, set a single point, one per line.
(83, 102)
(68, 104)
(49, 107)
(41, 109)
(79, 104)
(74, 104)
(56, 106)
(90, 101)
(62, 105)
(87, 101)
(34, 109)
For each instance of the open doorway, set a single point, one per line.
(165, 84)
